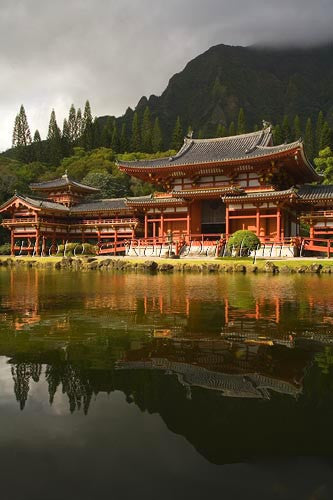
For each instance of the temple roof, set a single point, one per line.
(224, 151)
(63, 181)
(112, 204)
(314, 193)
(38, 203)
(262, 195)
(154, 200)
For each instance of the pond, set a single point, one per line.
(165, 386)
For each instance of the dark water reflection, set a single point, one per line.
(169, 386)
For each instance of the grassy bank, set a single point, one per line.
(242, 265)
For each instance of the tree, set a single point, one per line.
(97, 134)
(326, 137)
(136, 137)
(66, 140)
(324, 165)
(319, 127)
(232, 129)
(278, 135)
(221, 131)
(241, 124)
(115, 142)
(113, 185)
(54, 141)
(72, 125)
(308, 139)
(146, 131)
(21, 132)
(156, 140)
(37, 146)
(87, 138)
(107, 132)
(79, 123)
(123, 139)
(177, 135)
(297, 128)
(286, 131)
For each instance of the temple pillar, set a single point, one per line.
(227, 225)
(12, 242)
(115, 242)
(37, 242)
(146, 225)
(258, 222)
(43, 245)
(162, 225)
(278, 224)
(311, 230)
(188, 222)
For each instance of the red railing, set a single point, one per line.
(97, 222)
(319, 213)
(321, 245)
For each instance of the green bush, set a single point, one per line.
(5, 249)
(243, 241)
(89, 249)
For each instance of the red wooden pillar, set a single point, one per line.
(227, 222)
(37, 241)
(146, 225)
(43, 245)
(311, 230)
(258, 222)
(115, 242)
(12, 242)
(278, 224)
(162, 226)
(188, 222)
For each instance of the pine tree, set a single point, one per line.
(115, 143)
(37, 147)
(297, 128)
(221, 131)
(232, 129)
(66, 139)
(87, 138)
(319, 127)
(54, 141)
(146, 131)
(123, 139)
(308, 139)
(79, 123)
(156, 140)
(326, 137)
(278, 135)
(177, 135)
(136, 138)
(241, 124)
(286, 131)
(107, 133)
(21, 133)
(72, 124)
(96, 133)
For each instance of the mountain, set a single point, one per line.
(266, 82)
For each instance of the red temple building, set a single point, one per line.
(207, 191)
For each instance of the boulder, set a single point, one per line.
(165, 268)
(302, 269)
(270, 267)
(315, 268)
(240, 268)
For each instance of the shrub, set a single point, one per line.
(77, 249)
(243, 241)
(5, 249)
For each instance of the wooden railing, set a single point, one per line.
(96, 222)
(321, 245)
(21, 220)
(319, 213)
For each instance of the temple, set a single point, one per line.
(207, 191)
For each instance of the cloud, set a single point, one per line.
(114, 51)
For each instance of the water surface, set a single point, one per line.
(153, 386)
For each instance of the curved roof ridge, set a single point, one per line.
(262, 133)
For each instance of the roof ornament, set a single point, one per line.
(65, 176)
(189, 134)
(266, 124)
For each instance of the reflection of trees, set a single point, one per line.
(22, 373)
(75, 384)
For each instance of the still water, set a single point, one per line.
(165, 386)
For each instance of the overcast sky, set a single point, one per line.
(112, 52)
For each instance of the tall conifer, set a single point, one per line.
(123, 146)
(286, 130)
(177, 135)
(87, 139)
(72, 124)
(54, 141)
(319, 127)
(297, 128)
(232, 129)
(326, 137)
(309, 140)
(157, 140)
(136, 137)
(115, 142)
(146, 131)
(278, 135)
(241, 123)
(107, 132)
(21, 132)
